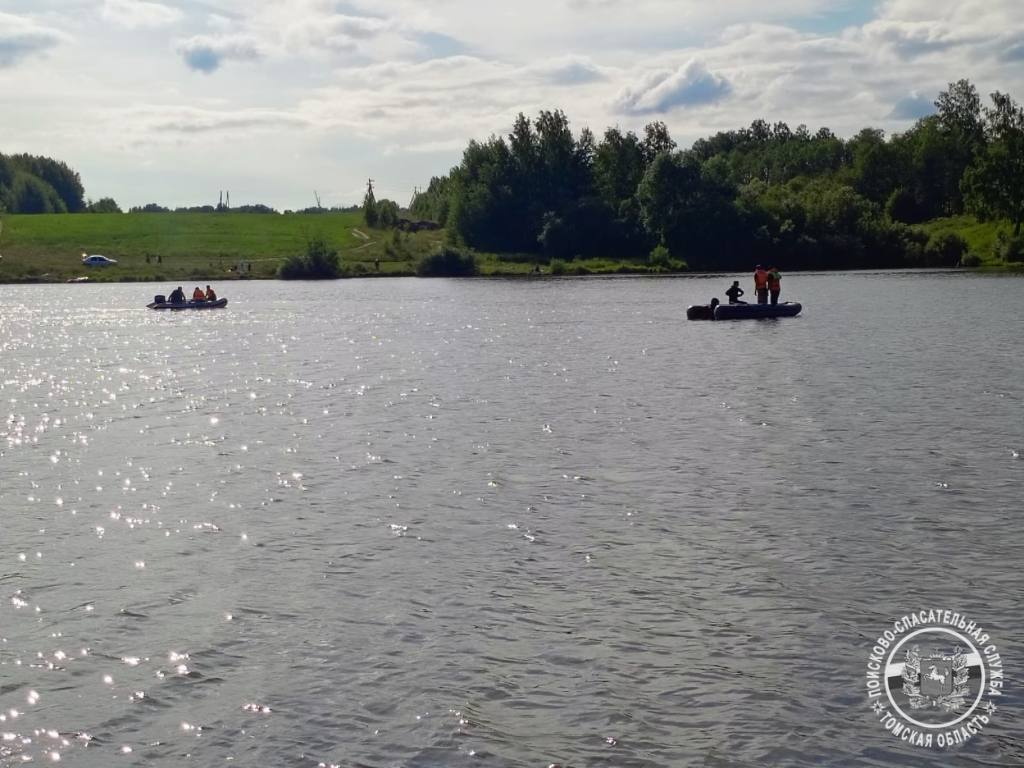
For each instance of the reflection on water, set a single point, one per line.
(494, 523)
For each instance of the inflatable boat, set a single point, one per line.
(743, 311)
(160, 302)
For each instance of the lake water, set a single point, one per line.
(499, 523)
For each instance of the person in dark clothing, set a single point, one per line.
(735, 292)
(177, 296)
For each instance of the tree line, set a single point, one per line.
(31, 184)
(763, 193)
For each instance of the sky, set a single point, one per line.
(278, 100)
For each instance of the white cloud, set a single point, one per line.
(397, 87)
(332, 32)
(21, 37)
(206, 53)
(570, 70)
(662, 90)
(137, 14)
(149, 123)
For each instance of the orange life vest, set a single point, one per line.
(760, 280)
(774, 281)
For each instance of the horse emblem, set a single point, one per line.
(937, 680)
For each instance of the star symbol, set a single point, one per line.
(879, 707)
(990, 707)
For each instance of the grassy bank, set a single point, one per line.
(982, 238)
(210, 247)
(199, 246)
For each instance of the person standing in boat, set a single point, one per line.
(761, 284)
(177, 296)
(210, 294)
(735, 292)
(774, 284)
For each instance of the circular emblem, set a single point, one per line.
(933, 679)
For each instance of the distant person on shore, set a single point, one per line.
(210, 295)
(735, 292)
(761, 284)
(177, 296)
(774, 284)
(198, 294)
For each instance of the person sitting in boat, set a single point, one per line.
(198, 294)
(210, 294)
(735, 292)
(177, 296)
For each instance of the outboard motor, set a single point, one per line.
(159, 299)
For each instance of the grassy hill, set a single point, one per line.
(981, 236)
(210, 246)
(165, 246)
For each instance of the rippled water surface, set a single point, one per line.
(498, 523)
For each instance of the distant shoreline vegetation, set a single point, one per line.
(766, 193)
(947, 192)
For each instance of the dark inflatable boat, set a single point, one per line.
(160, 302)
(743, 311)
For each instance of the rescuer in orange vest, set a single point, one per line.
(774, 284)
(761, 284)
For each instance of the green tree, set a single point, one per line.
(434, 202)
(30, 194)
(959, 109)
(688, 208)
(387, 214)
(618, 166)
(657, 141)
(370, 206)
(994, 185)
(62, 179)
(107, 205)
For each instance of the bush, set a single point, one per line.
(395, 246)
(970, 260)
(557, 267)
(109, 205)
(1009, 248)
(944, 250)
(555, 238)
(447, 262)
(660, 257)
(319, 262)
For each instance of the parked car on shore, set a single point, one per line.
(96, 260)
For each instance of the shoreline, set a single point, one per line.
(1005, 269)
(181, 247)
